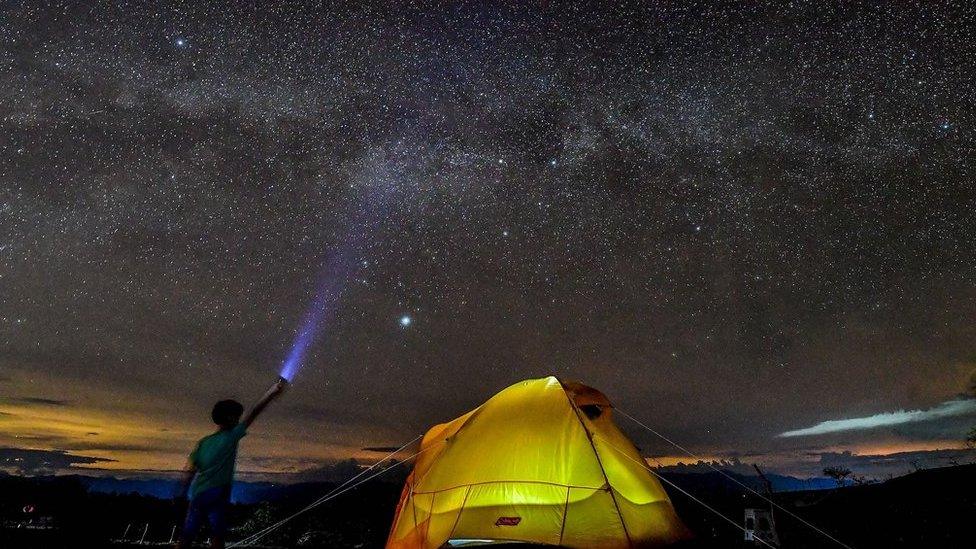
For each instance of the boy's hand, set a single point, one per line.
(279, 386)
(275, 390)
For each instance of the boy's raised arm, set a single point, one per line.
(259, 406)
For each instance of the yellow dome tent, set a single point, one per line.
(540, 462)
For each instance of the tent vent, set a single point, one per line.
(592, 411)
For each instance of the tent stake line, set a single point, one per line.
(735, 480)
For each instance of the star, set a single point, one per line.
(406, 321)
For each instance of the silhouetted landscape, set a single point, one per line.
(928, 508)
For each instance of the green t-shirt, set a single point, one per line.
(214, 459)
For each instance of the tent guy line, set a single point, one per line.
(351, 484)
(733, 479)
(334, 493)
(691, 497)
(534, 430)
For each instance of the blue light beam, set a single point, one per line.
(335, 275)
(343, 263)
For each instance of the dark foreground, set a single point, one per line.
(932, 508)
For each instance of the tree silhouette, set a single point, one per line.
(837, 473)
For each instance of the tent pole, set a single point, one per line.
(589, 437)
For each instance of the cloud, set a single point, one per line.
(88, 445)
(34, 462)
(888, 419)
(41, 401)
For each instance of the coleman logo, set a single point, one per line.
(508, 521)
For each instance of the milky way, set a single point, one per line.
(736, 222)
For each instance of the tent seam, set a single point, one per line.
(542, 482)
(562, 529)
(457, 519)
(589, 438)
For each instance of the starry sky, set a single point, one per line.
(739, 220)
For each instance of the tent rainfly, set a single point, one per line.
(541, 462)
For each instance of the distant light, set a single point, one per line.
(406, 321)
(552, 162)
(504, 233)
(180, 42)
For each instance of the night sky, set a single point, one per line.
(735, 221)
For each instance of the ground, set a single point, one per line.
(930, 508)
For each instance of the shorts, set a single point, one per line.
(210, 505)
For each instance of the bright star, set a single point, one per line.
(180, 42)
(405, 321)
